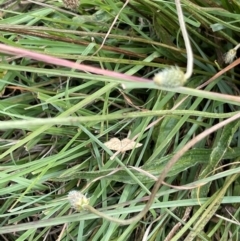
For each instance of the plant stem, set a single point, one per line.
(186, 40)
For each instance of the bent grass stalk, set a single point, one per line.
(174, 76)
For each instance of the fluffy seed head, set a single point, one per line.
(170, 77)
(77, 200)
(71, 4)
(230, 56)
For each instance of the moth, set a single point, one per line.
(121, 145)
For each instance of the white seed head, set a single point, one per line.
(77, 200)
(71, 4)
(170, 77)
(230, 56)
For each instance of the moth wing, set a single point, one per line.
(128, 144)
(113, 144)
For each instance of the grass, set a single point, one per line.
(56, 116)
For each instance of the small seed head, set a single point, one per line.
(230, 56)
(170, 77)
(71, 4)
(77, 200)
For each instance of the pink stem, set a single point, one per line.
(62, 62)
